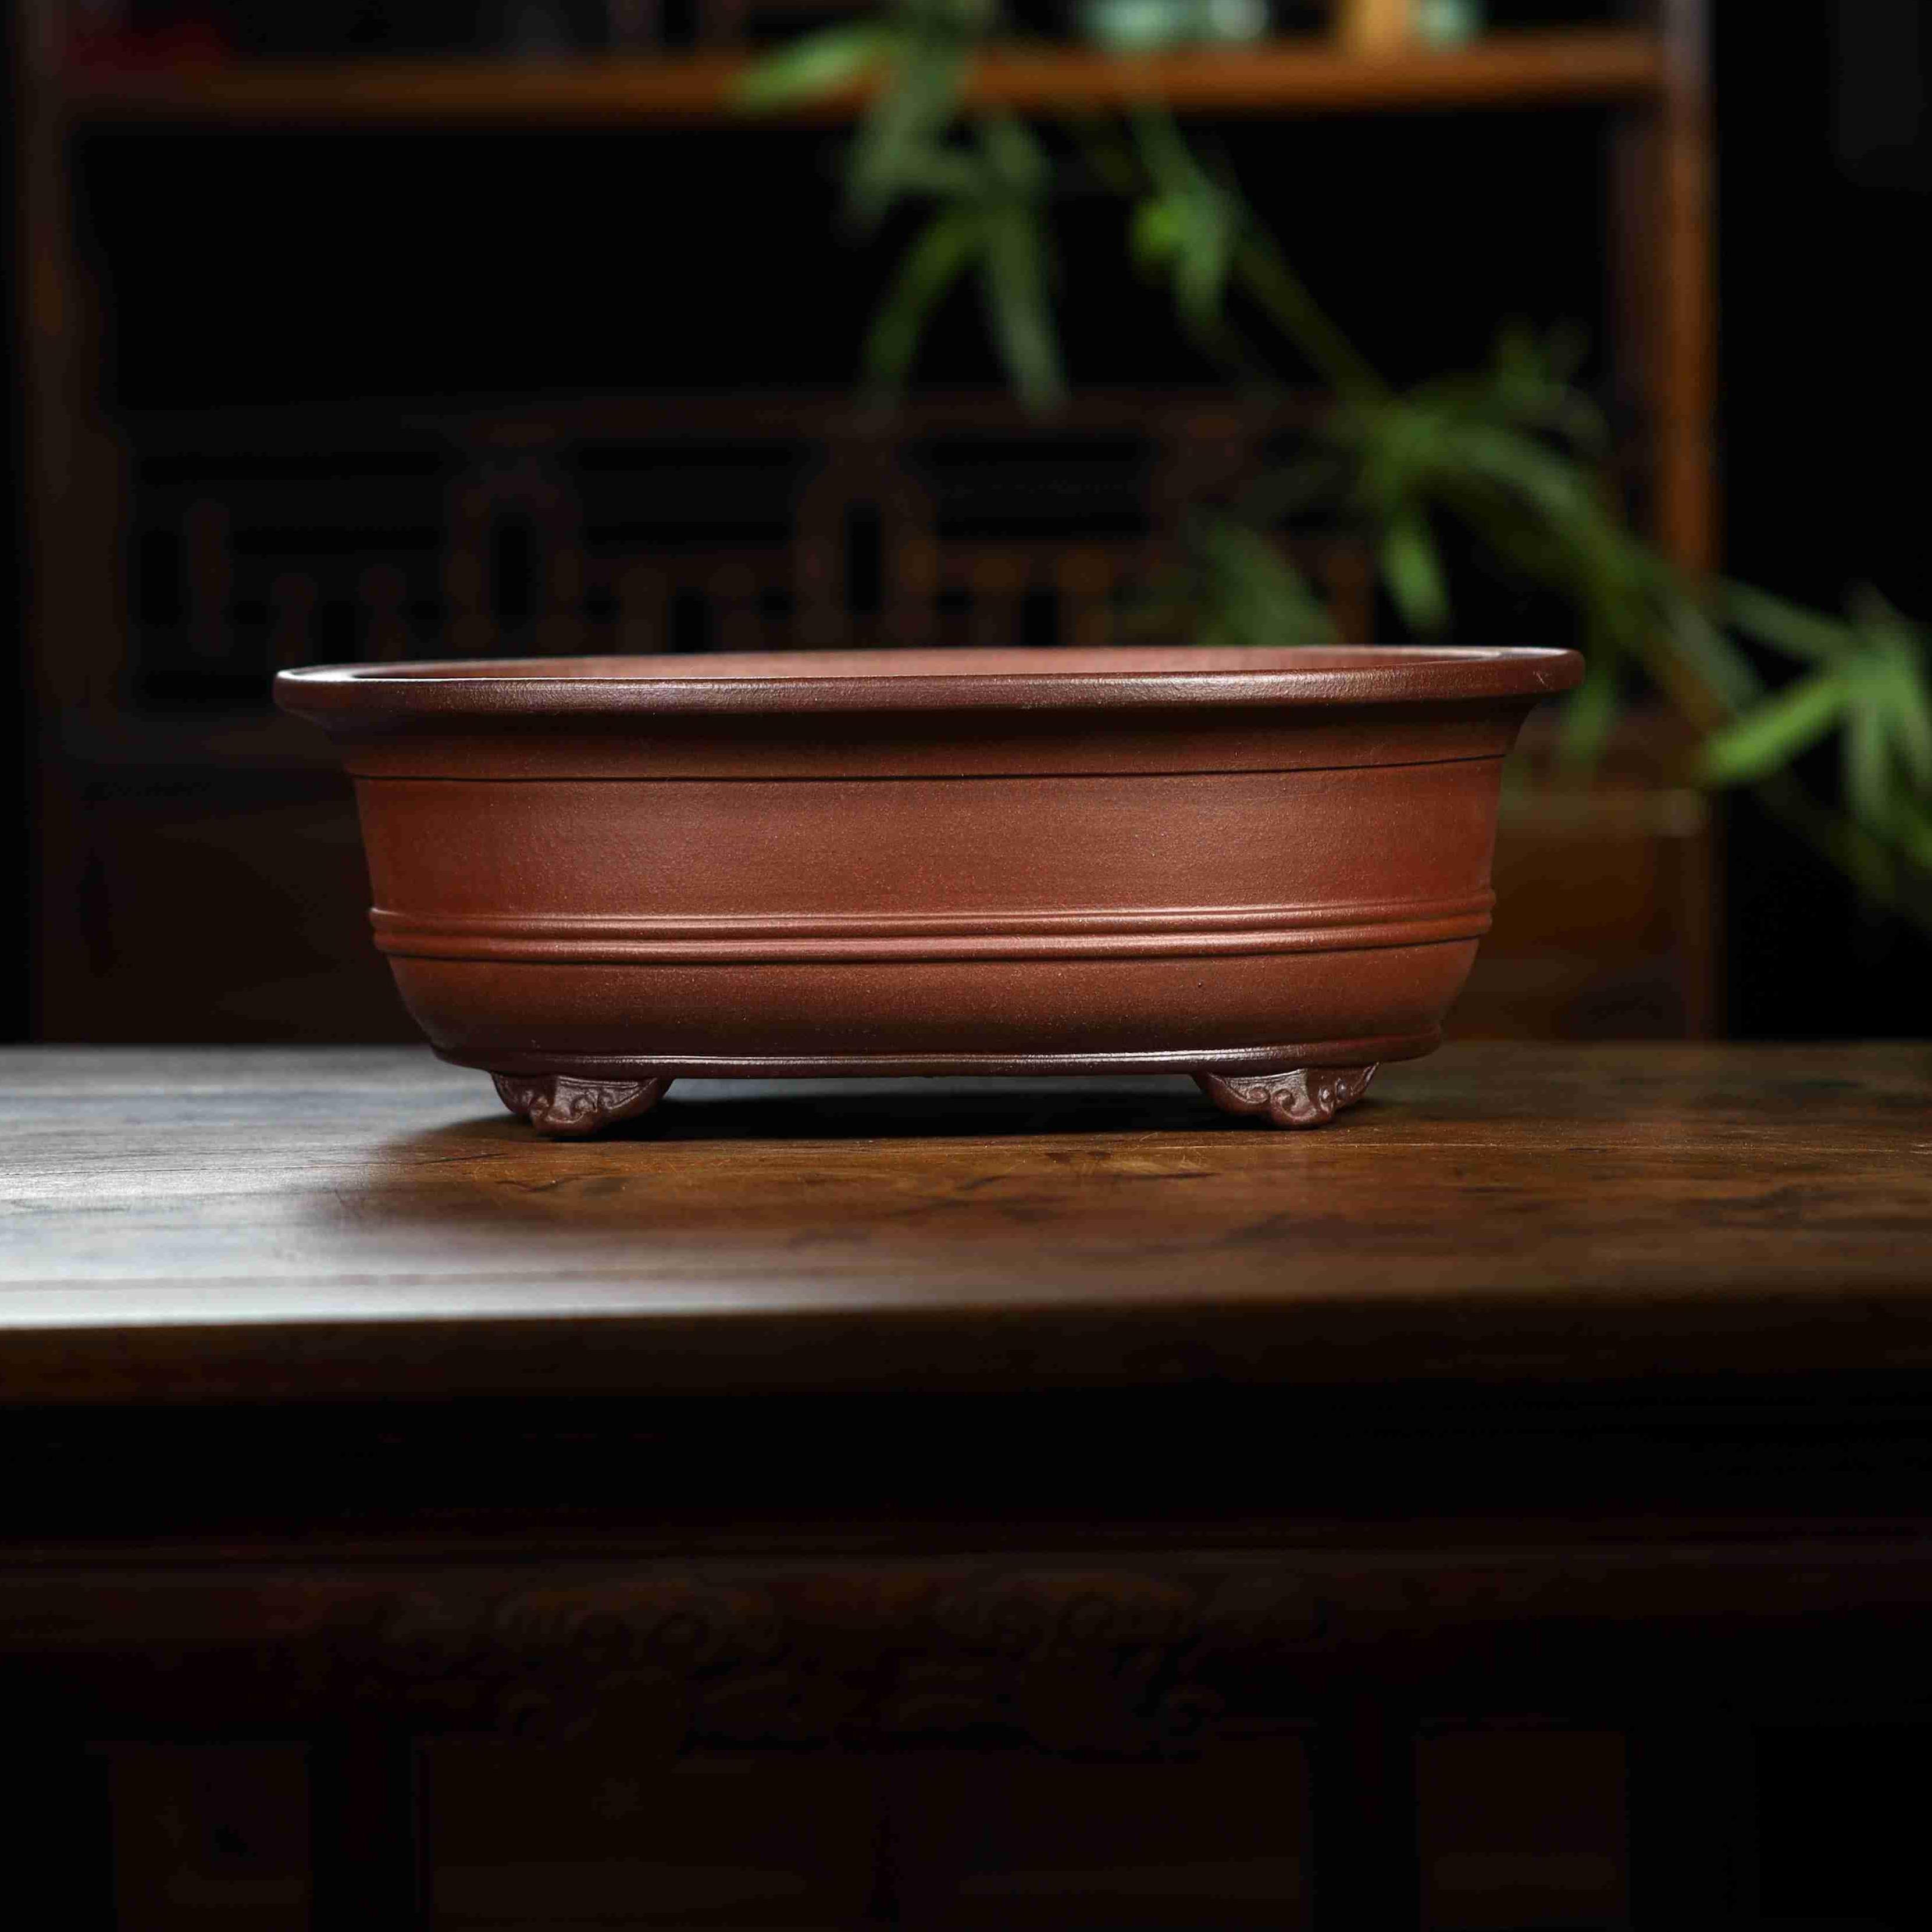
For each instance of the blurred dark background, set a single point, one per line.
(406, 387)
(320, 385)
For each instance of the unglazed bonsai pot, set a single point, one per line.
(1267, 869)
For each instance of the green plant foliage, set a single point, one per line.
(1187, 228)
(984, 186)
(984, 224)
(1233, 586)
(1873, 683)
(944, 251)
(819, 63)
(1513, 456)
(1014, 278)
(899, 150)
(1767, 739)
(1412, 569)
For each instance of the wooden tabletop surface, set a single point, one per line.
(207, 1223)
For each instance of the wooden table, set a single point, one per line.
(1033, 1424)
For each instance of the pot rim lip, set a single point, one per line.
(939, 679)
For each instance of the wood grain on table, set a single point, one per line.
(1548, 1393)
(185, 1223)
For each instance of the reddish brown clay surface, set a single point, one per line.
(593, 876)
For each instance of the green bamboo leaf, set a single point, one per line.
(1561, 489)
(1776, 731)
(1591, 712)
(1013, 284)
(903, 124)
(1867, 763)
(1166, 157)
(1284, 299)
(943, 173)
(1785, 626)
(1529, 384)
(825, 62)
(1712, 655)
(1914, 835)
(1403, 445)
(1250, 592)
(1909, 683)
(1203, 257)
(1413, 572)
(1017, 161)
(1899, 658)
(1195, 235)
(944, 250)
(1153, 234)
(1876, 615)
(963, 18)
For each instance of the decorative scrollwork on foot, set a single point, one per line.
(566, 1108)
(1303, 1096)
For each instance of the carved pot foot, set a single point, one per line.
(1303, 1096)
(559, 1104)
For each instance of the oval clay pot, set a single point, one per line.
(1268, 869)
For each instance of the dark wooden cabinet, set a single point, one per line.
(971, 1504)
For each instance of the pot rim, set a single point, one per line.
(946, 678)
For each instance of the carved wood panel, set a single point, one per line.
(1124, 1655)
(673, 525)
